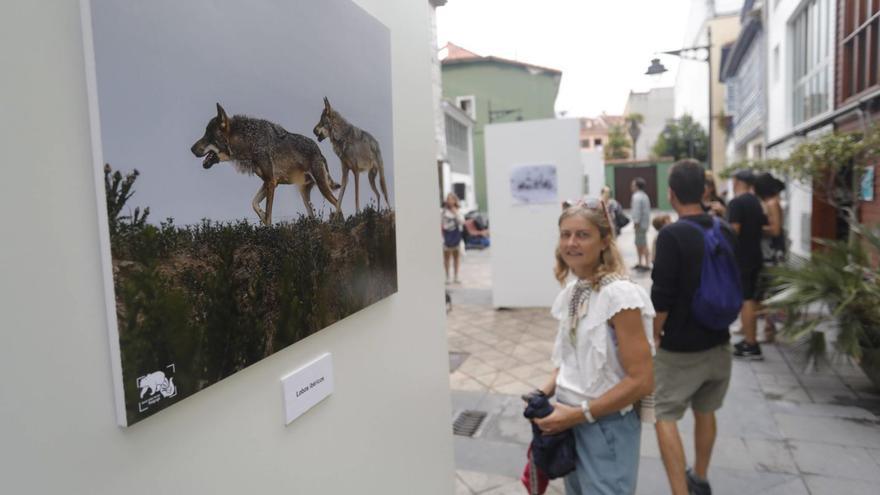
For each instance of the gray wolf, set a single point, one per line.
(357, 150)
(265, 149)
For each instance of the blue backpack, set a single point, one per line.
(718, 299)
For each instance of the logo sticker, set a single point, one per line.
(156, 386)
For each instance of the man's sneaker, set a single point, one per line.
(748, 351)
(696, 485)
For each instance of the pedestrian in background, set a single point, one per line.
(693, 361)
(659, 222)
(773, 245)
(641, 217)
(712, 202)
(452, 222)
(746, 216)
(602, 354)
(618, 217)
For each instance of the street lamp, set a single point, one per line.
(699, 54)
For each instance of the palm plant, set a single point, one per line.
(634, 123)
(836, 286)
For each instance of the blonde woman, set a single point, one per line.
(602, 354)
(452, 222)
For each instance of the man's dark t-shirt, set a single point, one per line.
(676, 277)
(746, 210)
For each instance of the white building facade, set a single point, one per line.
(458, 161)
(800, 57)
(657, 106)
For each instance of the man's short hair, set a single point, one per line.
(745, 175)
(640, 183)
(687, 179)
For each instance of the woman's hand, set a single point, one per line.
(562, 418)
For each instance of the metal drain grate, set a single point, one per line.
(468, 422)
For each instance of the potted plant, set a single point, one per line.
(836, 285)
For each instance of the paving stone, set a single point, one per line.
(793, 486)
(791, 393)
(481, 482)
(837, 431)
(778, 379)
(825, 485)
(821, 410)
(835, 461)
(489, 457)
(513, 487)
(513, 388)
(770, 455)
(461, 488)
(524, 371)
(461, 381)
(475, 367)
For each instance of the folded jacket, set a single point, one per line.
(554, 455)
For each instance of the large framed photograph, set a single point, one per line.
(245, 175)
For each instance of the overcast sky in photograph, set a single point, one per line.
(602, 48)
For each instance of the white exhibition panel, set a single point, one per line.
(524, 236)
(385, 428)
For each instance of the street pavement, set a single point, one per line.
(782, 430)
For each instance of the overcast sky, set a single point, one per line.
(162, 65)
(603, 48)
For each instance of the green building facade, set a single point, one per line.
(503, 91)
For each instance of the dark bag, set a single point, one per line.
(718, 299)
(620, 219)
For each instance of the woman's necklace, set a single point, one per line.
(580, 301)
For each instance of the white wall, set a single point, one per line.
(657, 106)
(524, 237)
(384, 430)
(594, 168)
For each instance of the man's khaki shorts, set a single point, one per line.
(696, 379)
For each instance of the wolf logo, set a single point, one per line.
(156, 382)
(265, 149)
(357, 150)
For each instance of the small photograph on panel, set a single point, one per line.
(246, 162)
(533, 184)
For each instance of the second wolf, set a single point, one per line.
(358, 151)
(272, 153)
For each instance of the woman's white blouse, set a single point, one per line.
(591, 366)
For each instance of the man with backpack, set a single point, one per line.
(696, 292)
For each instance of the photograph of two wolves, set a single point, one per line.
(265, 149)
(247, 180)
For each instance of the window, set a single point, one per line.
(776, 63)
(811, 60)
(585, 143)
(456, 134)
(468, 104)
(459, 189)
(597, 142)
(860, 43)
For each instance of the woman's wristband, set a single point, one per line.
(585, 408)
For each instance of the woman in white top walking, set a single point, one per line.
(451, 221)
(602, 354)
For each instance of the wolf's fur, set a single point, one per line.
(265, 149)
(357, 150)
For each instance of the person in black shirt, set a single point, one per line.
(693, 363)
(746, 216)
